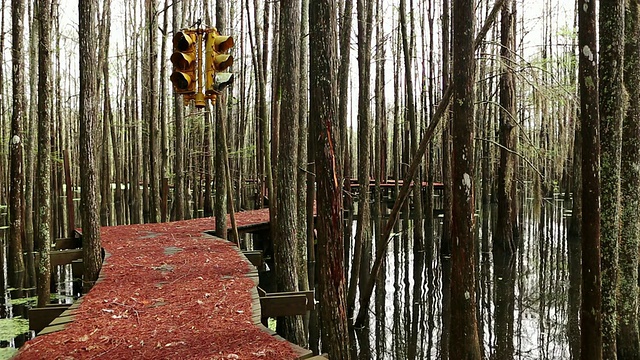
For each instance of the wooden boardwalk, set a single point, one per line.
(167, 291)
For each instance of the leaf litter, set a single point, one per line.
(202, 310)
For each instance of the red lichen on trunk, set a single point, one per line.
(168, 292)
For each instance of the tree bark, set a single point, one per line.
(155, 158)
(363, 228)
(628, 341)
(464, 325)
(591, 318)
(91, 255)
(105, 183)
(611, 89)
(302, 161)
(31, 149)
(507, 212)
(43, 188)
(343, 80)
(16, 195)
(331, 281)
(285, 242)
(178, 166)
(220, 141)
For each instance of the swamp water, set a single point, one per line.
(527, 303)
(14, 323)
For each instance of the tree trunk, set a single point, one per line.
(91, 257)
(507, 212)
(285, 242)
(628, 344)
(331, 281)
(303, 129)
(611, 89)
(31, 150)
(363, 228)
(178, 166)
(464, 327)
(343, 81)
(16, 196)
(445, 240)
(105, 191)
(163, 126)
(43, 188)
(591, 319)
(220, 141)
(155, 158)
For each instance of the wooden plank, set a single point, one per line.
(68, 243)
(283, 305)
(63, 257)
(60, 320)
(39, 318)
(266, 329)
(52, 329)
(308, 294)
(77, 268)
(255, 257)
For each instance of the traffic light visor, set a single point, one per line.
(222, 80)
(183, 41)
(180, 80)
(182, 60)
(223, 43)
(223, 61)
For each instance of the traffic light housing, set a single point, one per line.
(184, 61)
(216, 61)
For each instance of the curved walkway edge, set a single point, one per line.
(167, 291)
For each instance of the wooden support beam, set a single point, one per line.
(39, 318)
(68, 243)
(77, 268)
(255, 257)
(285, 303)
(63, 257)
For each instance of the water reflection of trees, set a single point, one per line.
(522, 303)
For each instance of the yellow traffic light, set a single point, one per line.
(216, 61)
(184, 62)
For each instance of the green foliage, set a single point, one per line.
(568, 33)
(31, 301)
(246, 152)
(7, 353)
(10, 328)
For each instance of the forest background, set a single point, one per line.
(256, 145)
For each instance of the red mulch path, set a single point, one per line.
(157, 304)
